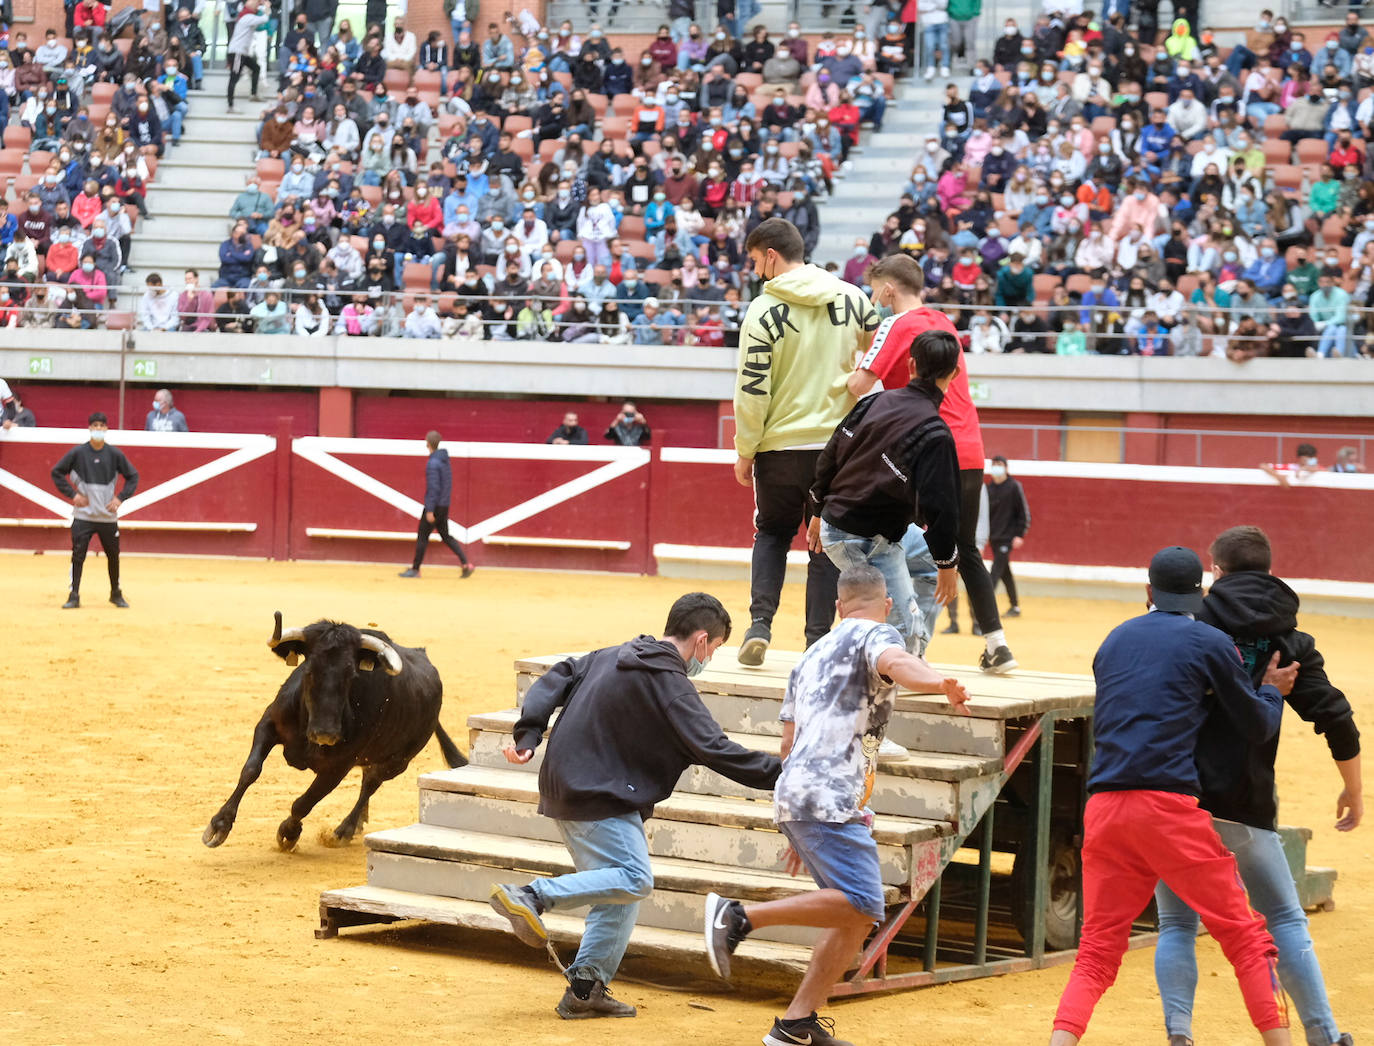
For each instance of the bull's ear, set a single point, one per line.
(367, 663)
(290, 652)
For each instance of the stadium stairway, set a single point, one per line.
(870, 190)
(480, 824)
(196, 185)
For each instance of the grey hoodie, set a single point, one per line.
(92, 471)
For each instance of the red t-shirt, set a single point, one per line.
(889, 358)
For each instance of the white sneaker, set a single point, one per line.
(944, 70)
(891, 752)
(930, 72)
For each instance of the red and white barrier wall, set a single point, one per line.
(614, 508)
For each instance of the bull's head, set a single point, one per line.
(334, 654)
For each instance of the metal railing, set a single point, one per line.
(1049, 442)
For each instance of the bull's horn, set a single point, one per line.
(384, 651)
(291, 635)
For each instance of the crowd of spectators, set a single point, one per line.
(539, 184)
(1097, 189)
(89, 114)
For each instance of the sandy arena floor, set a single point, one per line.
(123, 731)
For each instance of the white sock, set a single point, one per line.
(994, 640)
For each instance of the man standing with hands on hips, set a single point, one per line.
(87, 474)
(798, 344)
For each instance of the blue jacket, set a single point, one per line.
(1158, 677)
(1268, 276)
(1156, 139)
(438, 481)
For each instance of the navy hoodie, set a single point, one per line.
(1158, 678)
(1260, 613)
(438, 480)
(631, 723)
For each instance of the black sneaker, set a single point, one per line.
(755, 644)
(117, 598)
(806, 1031)
(73, 601)
(998, 663)
(1345, 1040)
(725, 926)
(1180, 1040)
(1013, 612)
(411, 572)
(598, 1003)
(468, 570)
(521, 906)
(951, 629)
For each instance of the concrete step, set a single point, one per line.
(177, 200)
(740, 830)
(453, 863)
(222, 176)
(931, 786)
(184, 227)
(753, 959)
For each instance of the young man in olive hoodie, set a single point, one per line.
(798, 344)
(630, 722)
(1259, 612)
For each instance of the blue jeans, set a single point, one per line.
(612, 861)
(937, 39)
(841, 857)
(851, 550)
(176, 113)
(920, 565)
(678, 29)
(197, 68)
(1240, 59)
(1264, 870)
(873, 109)
(1332, 342)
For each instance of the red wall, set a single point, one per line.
(522, 421)
(207, 409)
(1092, 519)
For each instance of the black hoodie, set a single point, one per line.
(1259, 612)
(631, 723)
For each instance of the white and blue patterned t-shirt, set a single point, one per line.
(840, 706)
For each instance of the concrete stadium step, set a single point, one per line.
(928, 785)
(679, 948)
(173, 225)
(686, 825)
(454, 863)
(184, 200)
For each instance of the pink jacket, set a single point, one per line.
(950, 190)
(1132, 213)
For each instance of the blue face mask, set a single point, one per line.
(695, 667)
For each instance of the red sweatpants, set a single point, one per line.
(1132, 840)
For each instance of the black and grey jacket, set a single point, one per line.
(892, 462)
(93, 471)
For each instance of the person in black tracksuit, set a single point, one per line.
(434, 516)
(88, 474)
(629, 723)
(1008, 520)
(1259, 612)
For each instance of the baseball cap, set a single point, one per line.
(1176, 580)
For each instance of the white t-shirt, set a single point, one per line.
(840, 706)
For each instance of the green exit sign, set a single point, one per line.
(40, 364)
(145, 368)
(979, 392)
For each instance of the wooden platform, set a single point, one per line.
(1017, 761)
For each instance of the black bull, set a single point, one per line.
(337, 711)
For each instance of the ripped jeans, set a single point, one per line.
(1264, 869)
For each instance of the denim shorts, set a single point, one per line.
(841, 857)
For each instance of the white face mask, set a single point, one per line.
(998, 471)
(97, 435)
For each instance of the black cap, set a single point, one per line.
(97, 416)
(1176, 580)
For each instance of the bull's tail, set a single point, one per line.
(452, 756)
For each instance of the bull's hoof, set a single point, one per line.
(288, 834)
(213, 836)
(334, 839)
